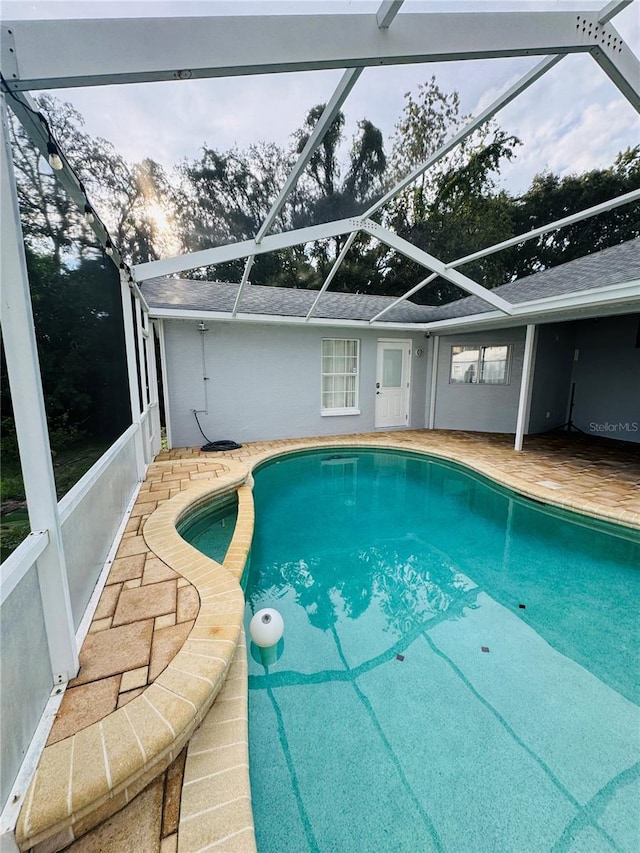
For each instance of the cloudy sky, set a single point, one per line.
(571, 120)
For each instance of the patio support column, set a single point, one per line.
(132, 372)
(154, 414)
(434, 381)
(525, 385)
(30, 419)
(165, 382)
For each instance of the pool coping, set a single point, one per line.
(139, 740)
(107, 763)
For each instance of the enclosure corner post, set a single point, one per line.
(132, 371)
(23, 368)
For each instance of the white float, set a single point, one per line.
(266, 627)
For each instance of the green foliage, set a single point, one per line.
(550, 198)
(12, 531)
(78, 323)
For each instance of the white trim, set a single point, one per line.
(341, 410)
(626, 198)
(477, 347)
(23, 368)
(612, 9)
(387, 12)
(18, 563)
(277, 319)
(405, 296)
(430, 262)
(142, 354)
(11, 810)
(406, 345)
(130, 330)
(333, 413)
(334, 269)
(69, 502)
(501, 101)
(87, 617)
(245, 278)
(625, 296)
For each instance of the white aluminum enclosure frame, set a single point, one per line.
(60, 54)
(43, 55)
(442, 36)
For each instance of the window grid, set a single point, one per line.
(340, 371)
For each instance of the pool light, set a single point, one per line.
(266, 627)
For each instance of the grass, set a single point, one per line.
(68, 467)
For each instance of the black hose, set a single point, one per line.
(195, 415)
(213, 446)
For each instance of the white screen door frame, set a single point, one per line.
(393, 382)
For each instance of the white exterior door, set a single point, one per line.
(393, 383)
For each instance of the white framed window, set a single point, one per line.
(340, 376)
(480, 365)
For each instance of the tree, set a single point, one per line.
(126, 197)
(551, 197)
(329, 197)
(226, 196)
(453, 209)
(50, 219)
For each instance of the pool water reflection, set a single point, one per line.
(383, 724)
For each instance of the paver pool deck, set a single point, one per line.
(149, 750)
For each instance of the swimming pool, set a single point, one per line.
(458, 669)
(210, 527)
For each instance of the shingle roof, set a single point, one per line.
(276, 301)
(615, 265)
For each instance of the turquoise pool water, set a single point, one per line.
(459, 668)
(210, 528)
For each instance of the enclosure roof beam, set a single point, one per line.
(245, 279)
(621, 200)
(634, 195)
(512, 92)
(423, 283)
(612, 9)
(235, 251)
(505, 98)
(618, 63)
(426, 260)
(57, 54)
(348, 81)
(334, 269)
(387, 12)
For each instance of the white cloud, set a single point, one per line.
(572, 119)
